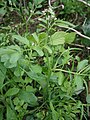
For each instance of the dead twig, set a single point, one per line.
(81, 46)
(77, 32)
(60, 6)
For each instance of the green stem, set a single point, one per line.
(70, 72)
(82, 109)
(63, 53)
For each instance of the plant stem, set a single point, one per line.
(70, 72)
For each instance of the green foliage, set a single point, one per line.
(88, 98)
(12, 91)
(41, 73)
(11, 114)
(73, 6)
(58, 38)
(10, 55)
(86, 30)
(82, 64)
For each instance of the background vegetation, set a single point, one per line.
(44, 60)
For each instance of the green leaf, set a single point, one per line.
(37, 2)
(64, 23)
(58, 38)
(54, 113)
(2, 11)
(21, 39)
(42, 25)
(28, 97)
(86, 27)
(30, 89)
(69, 38)
(88, 98)
(36, 68)
(12, 91)
(18, 72)
(61, 78)
(35, 37)
(48, 49)
(59, 24)
(4, 58)
(86, 30)
(6, 51)
(18, 80)
(78, 80)
(53, 78)
(42, 36)
(40, 78)
(11, 114)
(7, 64)
(85, 42)
(16, 101)
(31, 39)
(14, 57)
(43, 21)
(82, 64)
(2, 74)
(24, 63)
(38, 50)
(10, 55)
(1, 114)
